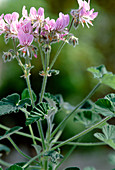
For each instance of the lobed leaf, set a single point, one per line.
(108, 135)
(39, 112)
(106, 106)
(87, 118)
(104, 76)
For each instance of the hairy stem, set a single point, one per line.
(5, 163)
(77, 107)
(82, 133)
(20, 133)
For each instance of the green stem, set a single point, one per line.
(20, 133)
(5, 163)
(29, 88)
(41, 134)
(82, 133)
(42, 57)
(57, 54)
(70, 139)
(66, 156)
(43, 87)
(77, 107)
(16, 147)
(82, 144)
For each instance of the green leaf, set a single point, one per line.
(25, 95)
(39, 112)
(98, 72)
(89, 168)
(10, 132)
(87, 118)
(54, 155)
(4, 148)
(15, 167)
(23, 102)
(9, 104)
(108, 135)
(109, 79)
(106, 106)
(37, 148)
(72, 168)
(53, 100)
(105, 77)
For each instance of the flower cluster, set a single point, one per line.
(83, 14)
(33, 27)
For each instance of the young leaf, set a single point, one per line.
(37, 148)
(53, 100)
(87, 118)
(25, 95)
(106, 106)
(10, 132)
(54, 155)
(108, 135)
(39, 112)
(105, 77)
(4, 148)
(98, 72)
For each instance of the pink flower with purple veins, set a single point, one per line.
(62, 22)
(50, 24)
(9, 18)
(25, 26)
(25, 40)
(84, 14)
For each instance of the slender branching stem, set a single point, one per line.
(5, 163)
(82, 133)
(21, 133)
(77, 107)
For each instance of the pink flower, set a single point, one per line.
(25, 39)
(50, 24)
(62, 21)
(83, 14)
(2, 24)
(9, 18)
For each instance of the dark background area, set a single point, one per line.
(96, 47)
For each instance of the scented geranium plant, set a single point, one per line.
(33, 33)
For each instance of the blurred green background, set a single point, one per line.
(96, 47)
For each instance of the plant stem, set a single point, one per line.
(16, 147)
(42, 57)
(58, 52)
(82, 144)
(77, 107)
(20, 133)
(29, 89)
(66, 156)
(43, 87)
(41, 134)
(5, 163)
(82, 133)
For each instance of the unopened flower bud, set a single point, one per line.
(46, 48)
(73, 40)
(7, 56)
